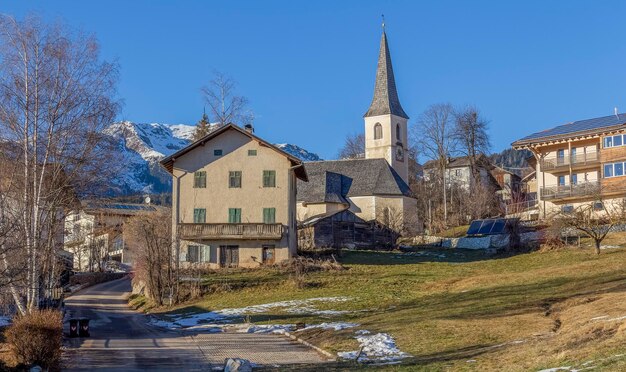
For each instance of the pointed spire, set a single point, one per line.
(385, 99)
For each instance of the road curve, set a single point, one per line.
(122, 340)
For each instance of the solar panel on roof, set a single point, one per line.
(580, 126)
(474, 227)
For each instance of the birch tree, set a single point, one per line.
(56, 97)
(434, 136)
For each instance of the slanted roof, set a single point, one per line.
(576, 128)
(357, 177)
(461, 162)
(168, 162)
(385, 99)
(93, 207)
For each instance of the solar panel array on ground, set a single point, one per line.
(492, 226)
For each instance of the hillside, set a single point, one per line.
(511, 159)
(140, 147)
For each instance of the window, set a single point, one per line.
(199, 179)
(217, 152)
(560, 156)
(199, 215)
(614, 170)
(251, 152)
(574, 179)
(234, 215)
(608, 170)
(398, 135)
(561, 180)
(567, 209)
(618, 169)
(598, 206)
(269, 215)
(572, 154)
(193, 253)
(269, 178)
(614, 141)
(378, 131)
(234, 179)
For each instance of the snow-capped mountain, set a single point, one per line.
(141, 146)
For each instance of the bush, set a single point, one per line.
(36, 338)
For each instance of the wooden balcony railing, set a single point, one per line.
(568, 191)
(590, 158)
(192, 231)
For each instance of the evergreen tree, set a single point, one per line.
(203, 127)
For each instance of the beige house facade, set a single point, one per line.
(579, 162)
(234, 200)
(375, 186)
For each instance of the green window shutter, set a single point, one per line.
(269, 215)
(269, 178)
(199, 179)
(199, 215)
(234, 215)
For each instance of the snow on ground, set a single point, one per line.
(380, 347)
(232, 315)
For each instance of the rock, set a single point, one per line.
(238, 365)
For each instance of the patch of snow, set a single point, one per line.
(337, 326)
(600, 317)
(301, 307)
(267, 328)
(377, 347)
(609, 246)
(568, 368)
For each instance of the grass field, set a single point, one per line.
(459, 310)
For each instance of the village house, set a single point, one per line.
(375, 187)
(459, 171)
(234, 200)
(95, 232)
(579, 162)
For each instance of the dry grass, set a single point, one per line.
(448, 307)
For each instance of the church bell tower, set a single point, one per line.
(386, 121)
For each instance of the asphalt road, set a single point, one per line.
(122, 340)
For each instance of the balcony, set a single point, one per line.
(240, 231)
(578, 160)
(568, 191)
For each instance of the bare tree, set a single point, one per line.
(470, 133)
(56, 97)
(150, 241)
(224, 104)
(353, 148)
(433, 135)
(594, 220)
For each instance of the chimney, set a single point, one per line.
(249, 128)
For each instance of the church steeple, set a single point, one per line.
(385, 99)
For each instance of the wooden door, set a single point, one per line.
(229, 255)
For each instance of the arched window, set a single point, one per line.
(378, 131)
(398, 136)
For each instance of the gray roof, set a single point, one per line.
(333, 181)
(385, 99)
(576, 127)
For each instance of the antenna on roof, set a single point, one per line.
(616, 112)
(383, 17)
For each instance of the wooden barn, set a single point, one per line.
(344, 229)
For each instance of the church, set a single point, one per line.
(374, 187)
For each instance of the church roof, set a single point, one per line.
(385, 99)
(333, 181)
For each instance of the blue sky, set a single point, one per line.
(308, 67)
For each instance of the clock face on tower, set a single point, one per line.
(399, 153)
